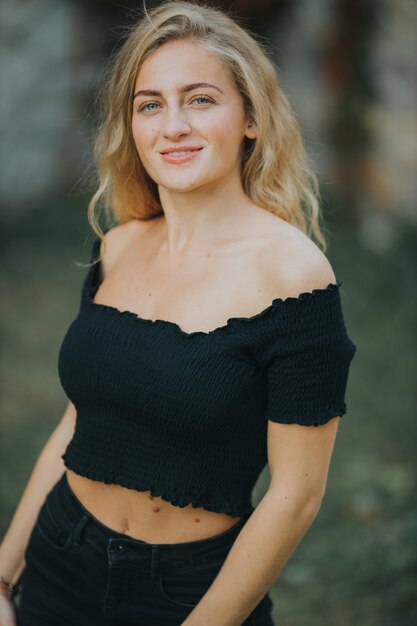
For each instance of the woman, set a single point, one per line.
(210, 338)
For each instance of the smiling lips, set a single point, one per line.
(180, 154)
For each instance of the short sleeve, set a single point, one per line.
(307, 355)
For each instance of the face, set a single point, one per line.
(170, 110)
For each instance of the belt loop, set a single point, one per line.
(79, 528)
(154, 561)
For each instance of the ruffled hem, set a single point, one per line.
(157, 492)
(323, 419)
(90, 287)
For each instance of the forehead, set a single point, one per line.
(182, 61)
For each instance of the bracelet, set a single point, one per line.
(13, 588)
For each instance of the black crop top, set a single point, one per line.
(184, 415)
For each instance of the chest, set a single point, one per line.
(152, 371)
(198, 294)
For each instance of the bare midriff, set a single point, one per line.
(142, 516)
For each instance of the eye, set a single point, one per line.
(142, 107)
(206, 98)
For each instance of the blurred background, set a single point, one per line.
(349, 70)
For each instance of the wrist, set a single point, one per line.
(7, 588)
(5, 594)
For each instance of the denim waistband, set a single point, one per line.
(108, 539)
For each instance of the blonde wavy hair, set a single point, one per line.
(275, 171)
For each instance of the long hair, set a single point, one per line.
(275, 171)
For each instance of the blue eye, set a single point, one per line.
(202, 98)
(151, 107)
(144, 107)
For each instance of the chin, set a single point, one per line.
(183, 186)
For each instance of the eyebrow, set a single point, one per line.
(183, 89)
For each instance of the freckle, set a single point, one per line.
(156, 509)
(305, 474)
(197, 519)
(150, 497)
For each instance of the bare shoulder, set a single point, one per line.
(118, 238)
(292, 263)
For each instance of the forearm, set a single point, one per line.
(47, 470)
(255, 560)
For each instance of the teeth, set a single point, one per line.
(181, 153)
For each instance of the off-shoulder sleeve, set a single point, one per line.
(307, 355)
(92, 273)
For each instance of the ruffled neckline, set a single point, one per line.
(276, 302)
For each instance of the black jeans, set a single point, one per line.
(80, 572)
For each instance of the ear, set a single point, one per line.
(251, 130)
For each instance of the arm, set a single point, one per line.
(49, 466)
(299, 458)
(48, 469)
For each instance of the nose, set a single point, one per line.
(175, 123)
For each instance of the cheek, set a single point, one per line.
(227, 129)
(227, 138)
(142, 137)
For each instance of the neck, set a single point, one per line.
(196, 218)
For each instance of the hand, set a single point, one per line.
(7, 609)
